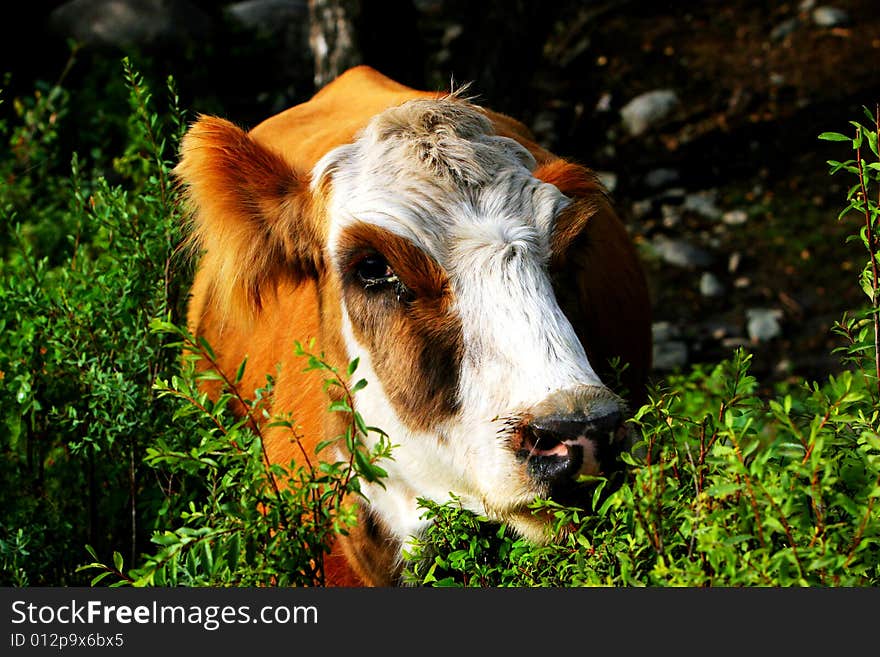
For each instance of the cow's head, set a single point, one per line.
(482, 292)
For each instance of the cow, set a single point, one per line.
(486, 285)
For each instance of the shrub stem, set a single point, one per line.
(872, 252)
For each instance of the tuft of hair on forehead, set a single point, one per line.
(448, 138)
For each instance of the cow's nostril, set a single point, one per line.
(556, 448)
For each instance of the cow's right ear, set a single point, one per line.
(253, 217)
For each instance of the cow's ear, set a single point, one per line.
(598, 278)
(253, 218)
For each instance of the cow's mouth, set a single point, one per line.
(549, 459)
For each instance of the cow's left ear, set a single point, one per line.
(252, 215)
(598, 278)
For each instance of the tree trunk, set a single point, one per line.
(333, 37)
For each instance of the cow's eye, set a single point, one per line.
(375, 270)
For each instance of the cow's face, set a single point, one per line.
(444, 245)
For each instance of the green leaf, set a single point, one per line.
(322, 445)
(339, 406)
(872, 141)
(239, 374)
(366, 469)
(860, 132)
(722, 490)
(99, 577)
(833, 136)
(457, 555)
(206, 348)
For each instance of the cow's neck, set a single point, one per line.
(373, 553)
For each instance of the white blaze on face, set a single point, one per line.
(433, 173)
(519, 346)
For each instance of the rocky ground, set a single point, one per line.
(725, 185)
(702, 118)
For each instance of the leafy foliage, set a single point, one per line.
(87, 266)
(253, 522)
(730, 491)
(108, 445)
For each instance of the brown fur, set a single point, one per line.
(598, 280)
(421, 388)
(254, 219)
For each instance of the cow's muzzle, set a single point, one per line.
(571, 437)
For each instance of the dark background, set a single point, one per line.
(755, 86)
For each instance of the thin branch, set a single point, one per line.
(861, 530)
(872, 252)
(255, 426)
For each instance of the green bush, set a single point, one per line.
(256, 523)
(109, 447)
(86, 266)
(112, 455)
(731, 491)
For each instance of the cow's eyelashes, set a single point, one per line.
(374, 272)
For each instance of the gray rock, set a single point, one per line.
(734, 342)
(735, 217)
(830, 17)
(659, 178)
(703, 203)
(733, 262)
(126, 23)
(268, 16)
(670, 355)
(783, 367)
(641, 209)
(763, 324)
(647, 110)
(673, 195)
(718, 329)
(664, 331)
(429, 6)
(608, 179)
(784, 29)
(544, 125)
(681, 253)
(671, 215)
(604, 103)
(710, 286)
